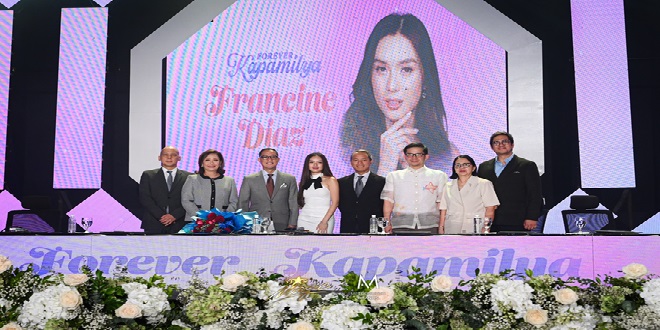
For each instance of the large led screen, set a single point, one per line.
(80, 98)
(305, 76)
(6, 24)
(602, 93)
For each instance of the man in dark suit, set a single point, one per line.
(271, 193)
(160, 195)
(359, 195)
(517, 184)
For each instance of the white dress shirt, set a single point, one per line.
(364, 176)
(265, 175)
(167, 174)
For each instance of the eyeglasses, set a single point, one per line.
(462, 165)
(503, 142)
(269, 157)
(411, 155)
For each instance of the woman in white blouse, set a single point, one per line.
(465, 196)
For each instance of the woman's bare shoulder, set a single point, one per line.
(329, 179)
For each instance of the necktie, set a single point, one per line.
(169, 180)
(359, 186)
(270, 185)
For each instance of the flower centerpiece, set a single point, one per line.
(220, 222)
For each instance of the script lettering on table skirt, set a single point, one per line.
(312, 262)
(56, 259)
(315, 261)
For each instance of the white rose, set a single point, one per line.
(301, 325)
(635, 270)
(380, 297)
(128, 311)
(565, 296)
(441, 283)
(232, 282)
(536, 317)
(70, 299)
(11, 326)
(5, 264)
(75, 279)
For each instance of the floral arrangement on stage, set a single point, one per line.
(246, 300)
(84, 301)
(215, 221)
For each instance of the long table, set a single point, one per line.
(329, 257)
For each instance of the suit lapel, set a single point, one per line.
(352, 183)
(277, 183)
(261, 184)
(370, 182)
(487, 170)
(178, 179)
(510, 167)
(469, 186)
(160, 179)
(456, 192)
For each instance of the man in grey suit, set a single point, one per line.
(160, 195)
(270, 192)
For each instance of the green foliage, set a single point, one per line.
(529, 273)
(613, 295)
(415, 324)
(367, 318)
(418, 286)
(58, 324)
(265, 276)
(104, 291)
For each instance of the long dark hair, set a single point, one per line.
(200, 162)
(364, 122)
(454, 175)
(307, 174)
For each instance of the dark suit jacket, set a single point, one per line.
(155, 199)
(355, 212)
(519, 190)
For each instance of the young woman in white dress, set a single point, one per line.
(318, 195)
